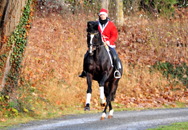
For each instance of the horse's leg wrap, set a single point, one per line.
(111, 114)
(101, 89)
(88, 98)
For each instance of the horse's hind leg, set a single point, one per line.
(104, 112)
(111, 111)
(110, 108)
(113, 87)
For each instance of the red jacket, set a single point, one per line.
(109, 33)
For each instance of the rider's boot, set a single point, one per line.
(83, 74)
(117, 73)
(117, 66)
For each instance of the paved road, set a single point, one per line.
(125, 120)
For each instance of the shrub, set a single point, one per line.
(162, 7)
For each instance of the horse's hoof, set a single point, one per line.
(103, 116)
(87, 109)
(103, 104)
(110, 117)
(110, 114)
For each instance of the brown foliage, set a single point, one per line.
(56, 47)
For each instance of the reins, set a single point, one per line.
(97, 46)
(93, 33)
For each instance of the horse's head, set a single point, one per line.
(93, 36)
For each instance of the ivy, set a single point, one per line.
(162, 7)
(17, 42)
(173, 72)
(7, 107)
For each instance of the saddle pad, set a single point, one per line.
(119, 64)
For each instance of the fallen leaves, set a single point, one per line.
(56, 49)
(153, 97)
(2, 120)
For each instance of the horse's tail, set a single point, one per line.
(113, 97)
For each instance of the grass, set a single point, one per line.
(173, 126)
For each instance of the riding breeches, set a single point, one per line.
(115, 58)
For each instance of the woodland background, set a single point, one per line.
(43, 43)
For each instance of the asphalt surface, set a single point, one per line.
(125, 120)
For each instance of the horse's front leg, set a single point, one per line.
(111, 111)
(101, 88)
(89, 91)
(102, 84)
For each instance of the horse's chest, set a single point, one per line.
(93, 65)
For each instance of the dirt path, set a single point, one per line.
(125, 120)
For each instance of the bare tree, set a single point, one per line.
(10, 14)
(3, 6)
(119, 12)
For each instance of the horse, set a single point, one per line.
(98, 66)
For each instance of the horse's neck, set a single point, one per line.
(102, 47)
(100, 52)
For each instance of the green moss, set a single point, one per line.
(173, 126)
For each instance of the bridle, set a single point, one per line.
(92, 47)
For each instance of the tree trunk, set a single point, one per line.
(3, 6)
(10, 14)
(13, 13)
(119, 13)
(104, 4)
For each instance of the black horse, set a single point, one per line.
(98, 66)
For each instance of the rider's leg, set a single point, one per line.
(116, 62)
(83, 74)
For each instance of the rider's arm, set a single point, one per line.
(113, 34)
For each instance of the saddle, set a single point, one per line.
(115, 62)
(110, 55)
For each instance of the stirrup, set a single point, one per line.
(118, 73)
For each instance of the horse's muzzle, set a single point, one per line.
(90, 53)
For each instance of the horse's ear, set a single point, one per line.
(89, 24)
(96, 26)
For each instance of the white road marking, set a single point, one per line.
(62, 123)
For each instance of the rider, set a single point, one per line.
(109, 35)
